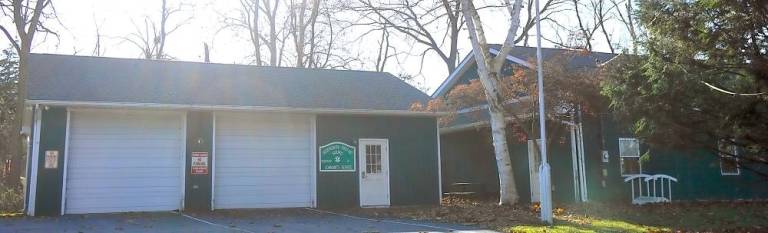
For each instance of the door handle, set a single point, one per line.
(362, 174)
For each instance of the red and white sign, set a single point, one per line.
(199, 163)
(51, 159)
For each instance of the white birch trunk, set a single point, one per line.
(488, 69)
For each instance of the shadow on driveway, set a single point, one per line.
(243, 221)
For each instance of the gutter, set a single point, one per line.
(97, 104)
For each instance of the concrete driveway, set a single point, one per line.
(243, 221)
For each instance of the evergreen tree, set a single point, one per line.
(702, 77)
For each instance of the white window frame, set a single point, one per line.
(621, 157)
(734, 151)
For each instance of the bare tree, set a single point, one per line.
(624, 11)
(270, 10)
(248, 17)
(301, 33)
(28, 17)
(419, 20)
(602, 16)
(152, 37)
(383, 55)
(97, 49)
(549, 9)
(591, 20)
(299, 22)
(488, 70)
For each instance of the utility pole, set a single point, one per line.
(545, 188)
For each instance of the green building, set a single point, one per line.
(593, 161)
(125, 135)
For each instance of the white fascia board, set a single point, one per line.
(462, 68)
(485, 106)
(89, 104)
(513, 59)
(475, 125)
(453, 77)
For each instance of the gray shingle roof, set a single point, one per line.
(98, 79)
(577, 60)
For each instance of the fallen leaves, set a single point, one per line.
(737, 216)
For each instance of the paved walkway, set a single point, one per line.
(242, 221)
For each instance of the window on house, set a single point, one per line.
(729, 162)
(629, 151)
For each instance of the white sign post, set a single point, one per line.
(545, 195)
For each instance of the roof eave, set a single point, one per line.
(463, 66)
(96, 104)
(477, 124)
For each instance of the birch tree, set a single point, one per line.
(489, 70)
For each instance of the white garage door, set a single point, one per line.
(262, 161)
(123, 161)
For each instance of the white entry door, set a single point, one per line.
(374, 172)
(534, 161)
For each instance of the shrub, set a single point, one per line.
(11, 198)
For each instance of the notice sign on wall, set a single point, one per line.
(199, 163)
(337, 157)
(51, 159)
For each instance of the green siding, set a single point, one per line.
(53, 131)
(697, 171)
(699, 178)
(601, 133)
(199, 139)
(468, 156)
(413, 159)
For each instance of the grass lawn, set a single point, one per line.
(594, 217)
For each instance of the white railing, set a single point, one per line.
(650, 188)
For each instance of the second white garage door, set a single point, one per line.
(262, 161)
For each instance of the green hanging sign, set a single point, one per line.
(337, 157)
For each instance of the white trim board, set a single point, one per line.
(35, 162)
(213, 160)
(66, 163)
(313, 166)
(96, 104)
(513, 58)
(439, 166)
(475, 125)
(485, 106)
(183, 159)
(462, 68)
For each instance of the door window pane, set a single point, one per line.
(372, 159)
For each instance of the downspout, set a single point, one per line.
(574, 156)
(583, 183)
(28, 170)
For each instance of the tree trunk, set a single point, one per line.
(16, 142)
(507, 186)
(488, 71)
